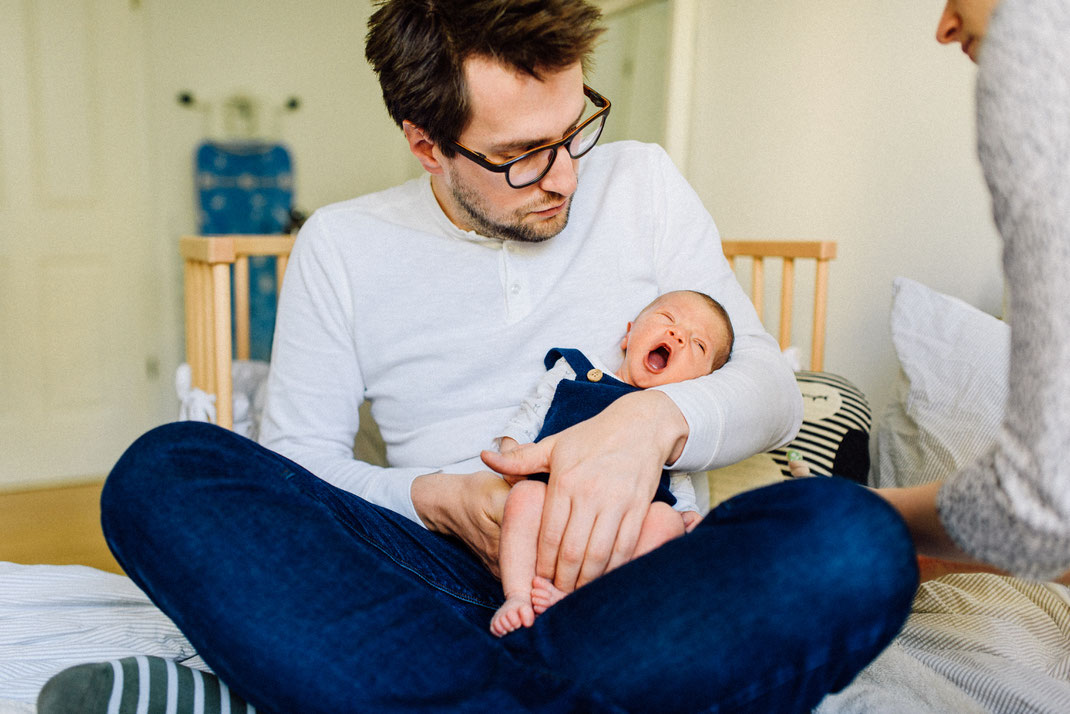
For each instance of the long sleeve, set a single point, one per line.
(316, 387)
(1012, 507)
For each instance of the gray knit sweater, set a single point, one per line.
(1012, 507)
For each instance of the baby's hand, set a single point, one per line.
(691, 519)
(507, 444)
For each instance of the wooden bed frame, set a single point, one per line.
(208, 260)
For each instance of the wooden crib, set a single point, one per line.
(208, 260)
(209, 347)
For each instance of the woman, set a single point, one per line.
(1011, 507)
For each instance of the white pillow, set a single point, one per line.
(952, 389)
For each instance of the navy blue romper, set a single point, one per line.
(580, 399)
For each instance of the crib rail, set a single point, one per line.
(209, 348)
(787, 252)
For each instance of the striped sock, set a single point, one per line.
(138, 685)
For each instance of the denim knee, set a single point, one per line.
(152, 466)
(870, 560)
(852, 540)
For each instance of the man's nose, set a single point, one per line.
(561, 178)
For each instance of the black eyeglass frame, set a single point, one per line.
(597, 99)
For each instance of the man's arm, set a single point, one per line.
(315, 386)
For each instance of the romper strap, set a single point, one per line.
(576, 360)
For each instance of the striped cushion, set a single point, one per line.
(834, 437)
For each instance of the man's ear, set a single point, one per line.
(422, 147)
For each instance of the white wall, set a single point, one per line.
(846, 120)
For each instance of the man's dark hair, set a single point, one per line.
(418, 49)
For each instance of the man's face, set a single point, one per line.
(965, 22)
(674, 339)
(510, 113)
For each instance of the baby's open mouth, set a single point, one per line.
(658, 358)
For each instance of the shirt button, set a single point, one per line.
(515, 288)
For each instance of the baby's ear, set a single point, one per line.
(624, 340)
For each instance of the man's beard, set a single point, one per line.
(475, 213)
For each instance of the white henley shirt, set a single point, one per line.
(444, 330)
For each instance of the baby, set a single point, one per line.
(681, 335)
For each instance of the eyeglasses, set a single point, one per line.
(531, 166)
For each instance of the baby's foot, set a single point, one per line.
(544, 594)
(516, 612)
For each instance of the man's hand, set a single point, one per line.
(603, 474)
(468, 506)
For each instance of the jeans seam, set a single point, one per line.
(405, 566)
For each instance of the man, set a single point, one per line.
(312, 582)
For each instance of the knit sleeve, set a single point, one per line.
(1011, 508)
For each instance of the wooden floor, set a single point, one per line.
(60, 526)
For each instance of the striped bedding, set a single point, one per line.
(974, 643)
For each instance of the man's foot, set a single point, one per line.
(515, 613)
(544, 594)
(137, 684)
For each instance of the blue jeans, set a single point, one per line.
(306, 598)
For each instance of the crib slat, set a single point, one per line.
(202, 338)
(221, 353)
(280, 271)
(241, 306)
(787, 297)
(191, 301)
(817, 350)
(757, 287)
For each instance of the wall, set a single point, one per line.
(844, 120)
(341, 139)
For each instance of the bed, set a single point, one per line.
(973, 643)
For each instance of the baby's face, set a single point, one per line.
(673, 340)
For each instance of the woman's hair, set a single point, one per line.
(418, 49)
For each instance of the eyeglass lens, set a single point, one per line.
(532, 168)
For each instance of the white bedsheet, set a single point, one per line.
(53, 617)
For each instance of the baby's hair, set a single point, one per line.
(721, 357)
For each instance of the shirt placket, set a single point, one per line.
(516, 283)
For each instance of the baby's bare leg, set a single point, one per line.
(516, 555)
(660, 525)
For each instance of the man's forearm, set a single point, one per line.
(669, 427)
